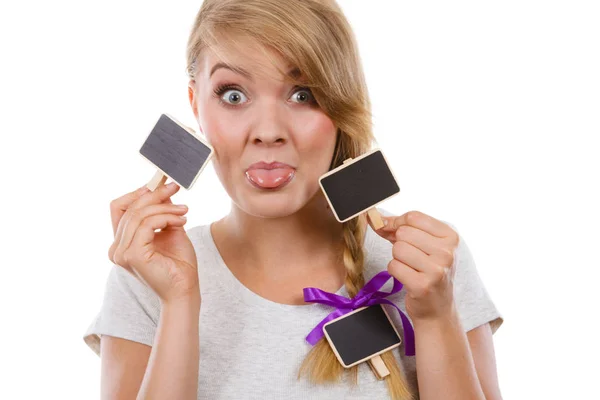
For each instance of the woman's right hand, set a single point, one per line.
(164, 260)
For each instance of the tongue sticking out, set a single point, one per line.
(269, 178)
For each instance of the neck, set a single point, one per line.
(303, 242)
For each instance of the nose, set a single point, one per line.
(270, 127)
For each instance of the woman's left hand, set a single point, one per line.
(423, 258)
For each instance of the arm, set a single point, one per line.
(455, 365)
(123, 363)
(438, 271)
(168, 369)
(173, 365)
(482, 348)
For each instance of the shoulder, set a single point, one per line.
(201, 239)
(197, 233)
(207, 255)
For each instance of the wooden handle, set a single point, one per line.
(378, 367)
(375, 217)
(158, 179)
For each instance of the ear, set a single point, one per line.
(194, 100)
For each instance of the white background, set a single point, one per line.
(489, 113)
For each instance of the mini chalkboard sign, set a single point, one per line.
(358, 186)
(176, 152)
(362, 335)
(355, 187)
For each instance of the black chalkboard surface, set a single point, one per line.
(358, 185)
(176, 151)
(361, 334)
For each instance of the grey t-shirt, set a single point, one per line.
(251, 347)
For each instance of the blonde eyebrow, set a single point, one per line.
(294, 72)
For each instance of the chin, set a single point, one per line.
(273, 205)
(278, 203)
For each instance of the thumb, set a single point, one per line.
(387, 232)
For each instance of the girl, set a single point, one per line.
(217, 311)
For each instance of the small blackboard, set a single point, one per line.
(359, 185)
(176, 151)
(361, 335)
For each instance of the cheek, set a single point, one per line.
(222, 131)
(317, 135)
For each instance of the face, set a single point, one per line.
(258, 119)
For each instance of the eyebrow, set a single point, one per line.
(294, 72)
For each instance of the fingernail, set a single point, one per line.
(171, 185)
(385, 222)
(181, 206)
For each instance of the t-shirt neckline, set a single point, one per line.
(251, 297)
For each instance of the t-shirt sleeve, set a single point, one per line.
(474, 304)
(130, 310)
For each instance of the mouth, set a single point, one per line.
(270, 176)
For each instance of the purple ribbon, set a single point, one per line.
(369, 295)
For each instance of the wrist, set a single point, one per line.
(189, 301)
(442, 320)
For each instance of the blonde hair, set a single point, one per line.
(315, 37)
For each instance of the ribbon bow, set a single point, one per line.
(369, 295)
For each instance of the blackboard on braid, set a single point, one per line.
(321, 365)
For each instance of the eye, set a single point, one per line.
(231, 97)
(305, 95)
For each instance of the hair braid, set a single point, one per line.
(321, 365)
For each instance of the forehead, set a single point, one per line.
(247, 58)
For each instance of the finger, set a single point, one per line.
(158, 196)
(413, 257)
(120, 205)
(419, 220)
(144, 235)
(422, 240)
(138, 216)
(155, 197)
(405, 274)
(123, 238)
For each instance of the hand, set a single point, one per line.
(165, 260)
(423, 258)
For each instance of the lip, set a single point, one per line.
(271, 165)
